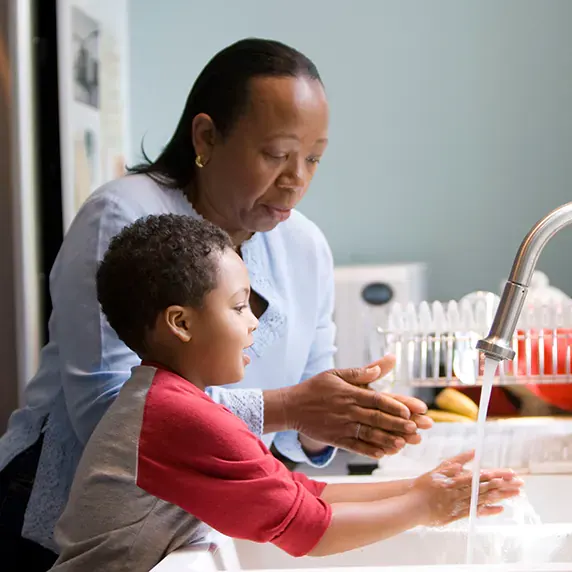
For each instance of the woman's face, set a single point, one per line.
(258, 172)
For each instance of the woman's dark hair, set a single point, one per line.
(157, 262)
(221, 91)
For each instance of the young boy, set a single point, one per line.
(166, 462)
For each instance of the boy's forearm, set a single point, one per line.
(357, 524)
(365, 492)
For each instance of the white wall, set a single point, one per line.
(451, 121)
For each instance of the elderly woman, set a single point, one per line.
(248, 143)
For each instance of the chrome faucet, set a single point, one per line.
(497, 345)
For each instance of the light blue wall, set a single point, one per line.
(451, 124)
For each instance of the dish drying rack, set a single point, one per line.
(435, 344)
(534, 445)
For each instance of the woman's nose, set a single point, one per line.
(293, 178)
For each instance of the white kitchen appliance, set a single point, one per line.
(363, 297)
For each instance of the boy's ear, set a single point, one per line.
(179, 322)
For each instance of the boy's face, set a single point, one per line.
(222, 329)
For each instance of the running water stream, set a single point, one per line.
(490, 367)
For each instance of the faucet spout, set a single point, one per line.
(498, 344)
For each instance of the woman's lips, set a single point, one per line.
(245, 359)
(278, 213)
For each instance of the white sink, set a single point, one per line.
(536, 544)
(454, 568)
(527, 547)
(499, 539)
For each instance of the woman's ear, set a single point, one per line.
(204, 136)
(179, 322)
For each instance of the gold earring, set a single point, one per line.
(199, 162)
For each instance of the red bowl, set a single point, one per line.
(559, 395)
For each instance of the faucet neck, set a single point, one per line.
(498, 344)
(535, 241)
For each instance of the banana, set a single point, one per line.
(456, 402)
(447, 417)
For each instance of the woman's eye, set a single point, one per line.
(241, 309)
(276, 155)
(314, 160)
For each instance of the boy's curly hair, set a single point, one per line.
(156, 262)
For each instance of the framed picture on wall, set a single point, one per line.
(93, 92)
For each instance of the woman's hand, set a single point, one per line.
(336, 407)
(445, 493)
(417, 409)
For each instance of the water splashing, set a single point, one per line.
(490, 367)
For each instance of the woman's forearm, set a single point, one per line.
(365, 492)
(357, 524)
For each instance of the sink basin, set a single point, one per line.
(532, 544)
(513, 537)
(476, 568)
(515, 541)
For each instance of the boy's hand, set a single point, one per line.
(445, 492)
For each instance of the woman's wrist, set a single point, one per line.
(311, 447)
(277, 411)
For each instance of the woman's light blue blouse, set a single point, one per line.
(84, 364)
